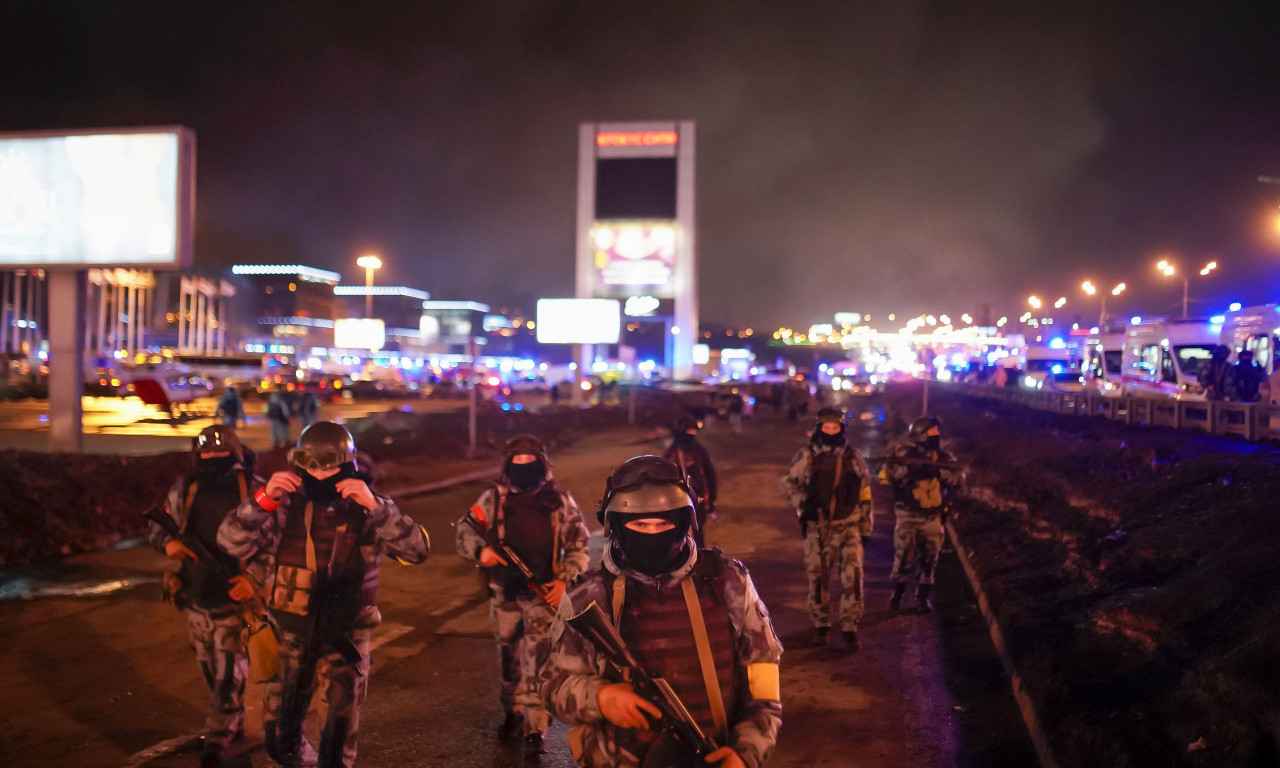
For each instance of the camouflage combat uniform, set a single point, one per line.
(573, 674)
(920, 496)
(828, 488)
(521, 620)
(284, 533)
(216, 628)
(694, 459)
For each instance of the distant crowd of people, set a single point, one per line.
(1239, 382)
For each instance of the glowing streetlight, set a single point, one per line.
(1034, 301)
(1168, 270)
(1060, 303)
(370, 262)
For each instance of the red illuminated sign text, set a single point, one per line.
(636, 139)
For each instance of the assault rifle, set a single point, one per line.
(911, 461)
(255, 612)
(490, 537)
(691, 742)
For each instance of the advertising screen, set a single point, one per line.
(579, 321)
(359, 333)
(107, 199)
(634, 257)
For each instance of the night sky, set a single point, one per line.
(880, 157)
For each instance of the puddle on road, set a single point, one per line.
(32, 588)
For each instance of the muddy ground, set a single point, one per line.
(1133, 571)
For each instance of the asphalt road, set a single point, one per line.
(107, 680)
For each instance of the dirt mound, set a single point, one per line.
(1134, 573)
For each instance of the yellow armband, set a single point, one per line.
(762, 681)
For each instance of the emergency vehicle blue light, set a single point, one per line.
(1057, 369)
(1135, 320)
(1234, 306)
(506, 406)
(1218, 319)
(1057, 344)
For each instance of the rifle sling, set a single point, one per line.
(705, 659)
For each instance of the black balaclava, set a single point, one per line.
(526, 477)
(684, 439)
(215, 466)
(325, 491)
(832, 441)
(653, 554)
(933, 443)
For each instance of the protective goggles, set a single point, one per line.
(214, 440)
(645, 470)
(318, 460)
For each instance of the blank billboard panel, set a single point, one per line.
(636, 188)
(105, 199)
(579, 321)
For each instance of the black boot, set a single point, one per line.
(820, 635)
(922, 598)
(895, 602)
(533, 744)
(850, 640)
(211, 754)
(511, 726)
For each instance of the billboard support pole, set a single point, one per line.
(66, 360)
(471, 397)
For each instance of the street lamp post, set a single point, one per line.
(1088, 287)
(1168, 270)
(370, 262)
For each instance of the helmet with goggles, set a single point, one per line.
(829, 415)
(524, 445)
(322, 446)
(923, 428)
(646, 485)
(217, 438)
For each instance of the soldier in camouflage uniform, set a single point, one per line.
(216, 626)
(541, 523)
(828, 487)
(922, 488)
(662, 593)
(322, 515)
(693, 458)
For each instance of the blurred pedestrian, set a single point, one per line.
(923, 476)
(326, 530)
(278, 413)
(230, 408)
(1246, 378)
(527, 513)
(1214, 373)
(308, 404)
(216, 627)
(691, 616)
(735, 408)
(692, 457)
(827, 485)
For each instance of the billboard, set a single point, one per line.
(634, 257)
(123, 198)
(579, 321)
(359, 333)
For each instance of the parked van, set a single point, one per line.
(1162, 358)
(1042, 362)
(1103, 354)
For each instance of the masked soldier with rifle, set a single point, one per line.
(827, 484)
(529, 538)
(923, 476)
(672, 659)
(327, 531)
(218, 596)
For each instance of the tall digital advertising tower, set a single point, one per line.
(636, 235)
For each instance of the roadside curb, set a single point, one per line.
(1034, 729)
(486, 473)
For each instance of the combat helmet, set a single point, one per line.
(324, 445)
(646, 485)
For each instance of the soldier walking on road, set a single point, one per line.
(327, 531)
(216, 627)
(923, 476)
(278, 413)
(526, 513)
(692, 457)
(688, 615)
(827, 485)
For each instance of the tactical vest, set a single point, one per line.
(207, 503)
(824, 484)
(921, 490)
(528, 530)
(353, 582)
(656, 626)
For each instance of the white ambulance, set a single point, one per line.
(1162, 357)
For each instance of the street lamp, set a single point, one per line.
(1088, 287)
(370, 262)
(1168, 270)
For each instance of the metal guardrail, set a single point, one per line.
(1250, 421)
